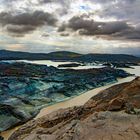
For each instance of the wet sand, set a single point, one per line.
(79, 100)
(83, 98)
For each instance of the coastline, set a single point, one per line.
(78, 100)
(75, 101)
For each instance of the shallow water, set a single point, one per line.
(45, 62)
(57, 63)
(79, 100)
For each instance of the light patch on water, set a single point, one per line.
(57, 63)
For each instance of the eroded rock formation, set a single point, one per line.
(113, 114)
(26, 88)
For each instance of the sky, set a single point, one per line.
(83, 26)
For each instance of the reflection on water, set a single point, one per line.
(46, 62)
(56, 64)
(79, 100)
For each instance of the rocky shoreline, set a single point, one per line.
(112, 114)
(26, 88)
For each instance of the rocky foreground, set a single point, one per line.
(26, 88)
(113, 114)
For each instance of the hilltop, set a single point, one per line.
(67, 56)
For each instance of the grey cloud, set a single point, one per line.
(64, 34)
(103, 28)
(45, 1)
(19, 30)
(102, 1)
(112, 27)
(122, 9)
(111, 1)
(94, 27)
(45, 35)
(78, 22)
(66, 2)
(65, 5)
(132, 33)
(62, 27)
(87, 26)
(36, 18)
(127, 10)
(26, 22)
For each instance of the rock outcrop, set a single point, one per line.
(70, 65)
(113, 114)
(26, 88)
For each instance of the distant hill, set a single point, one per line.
(138, 56)
(65, 55)
(109, 57)
(16, 55)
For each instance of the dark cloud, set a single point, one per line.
(104, 28)
(26, 22)
(19, 30)
(36, 18)
(78, 22)
(93, 27)
(64, 34)
(86, 26)
(125, 11)
(62, 27)
(45, 1)
(45, 35)
(132, 33)
(65, 2)
(112, 27)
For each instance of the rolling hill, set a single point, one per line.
(65, 55)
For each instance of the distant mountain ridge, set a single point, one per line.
(65, 55)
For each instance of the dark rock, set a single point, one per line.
(1, 138)
(120, 64)
(26, 88)
(70, 65)
(116, 104)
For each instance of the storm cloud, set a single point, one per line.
(26, 22)
(86, 26)
(132, 33)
